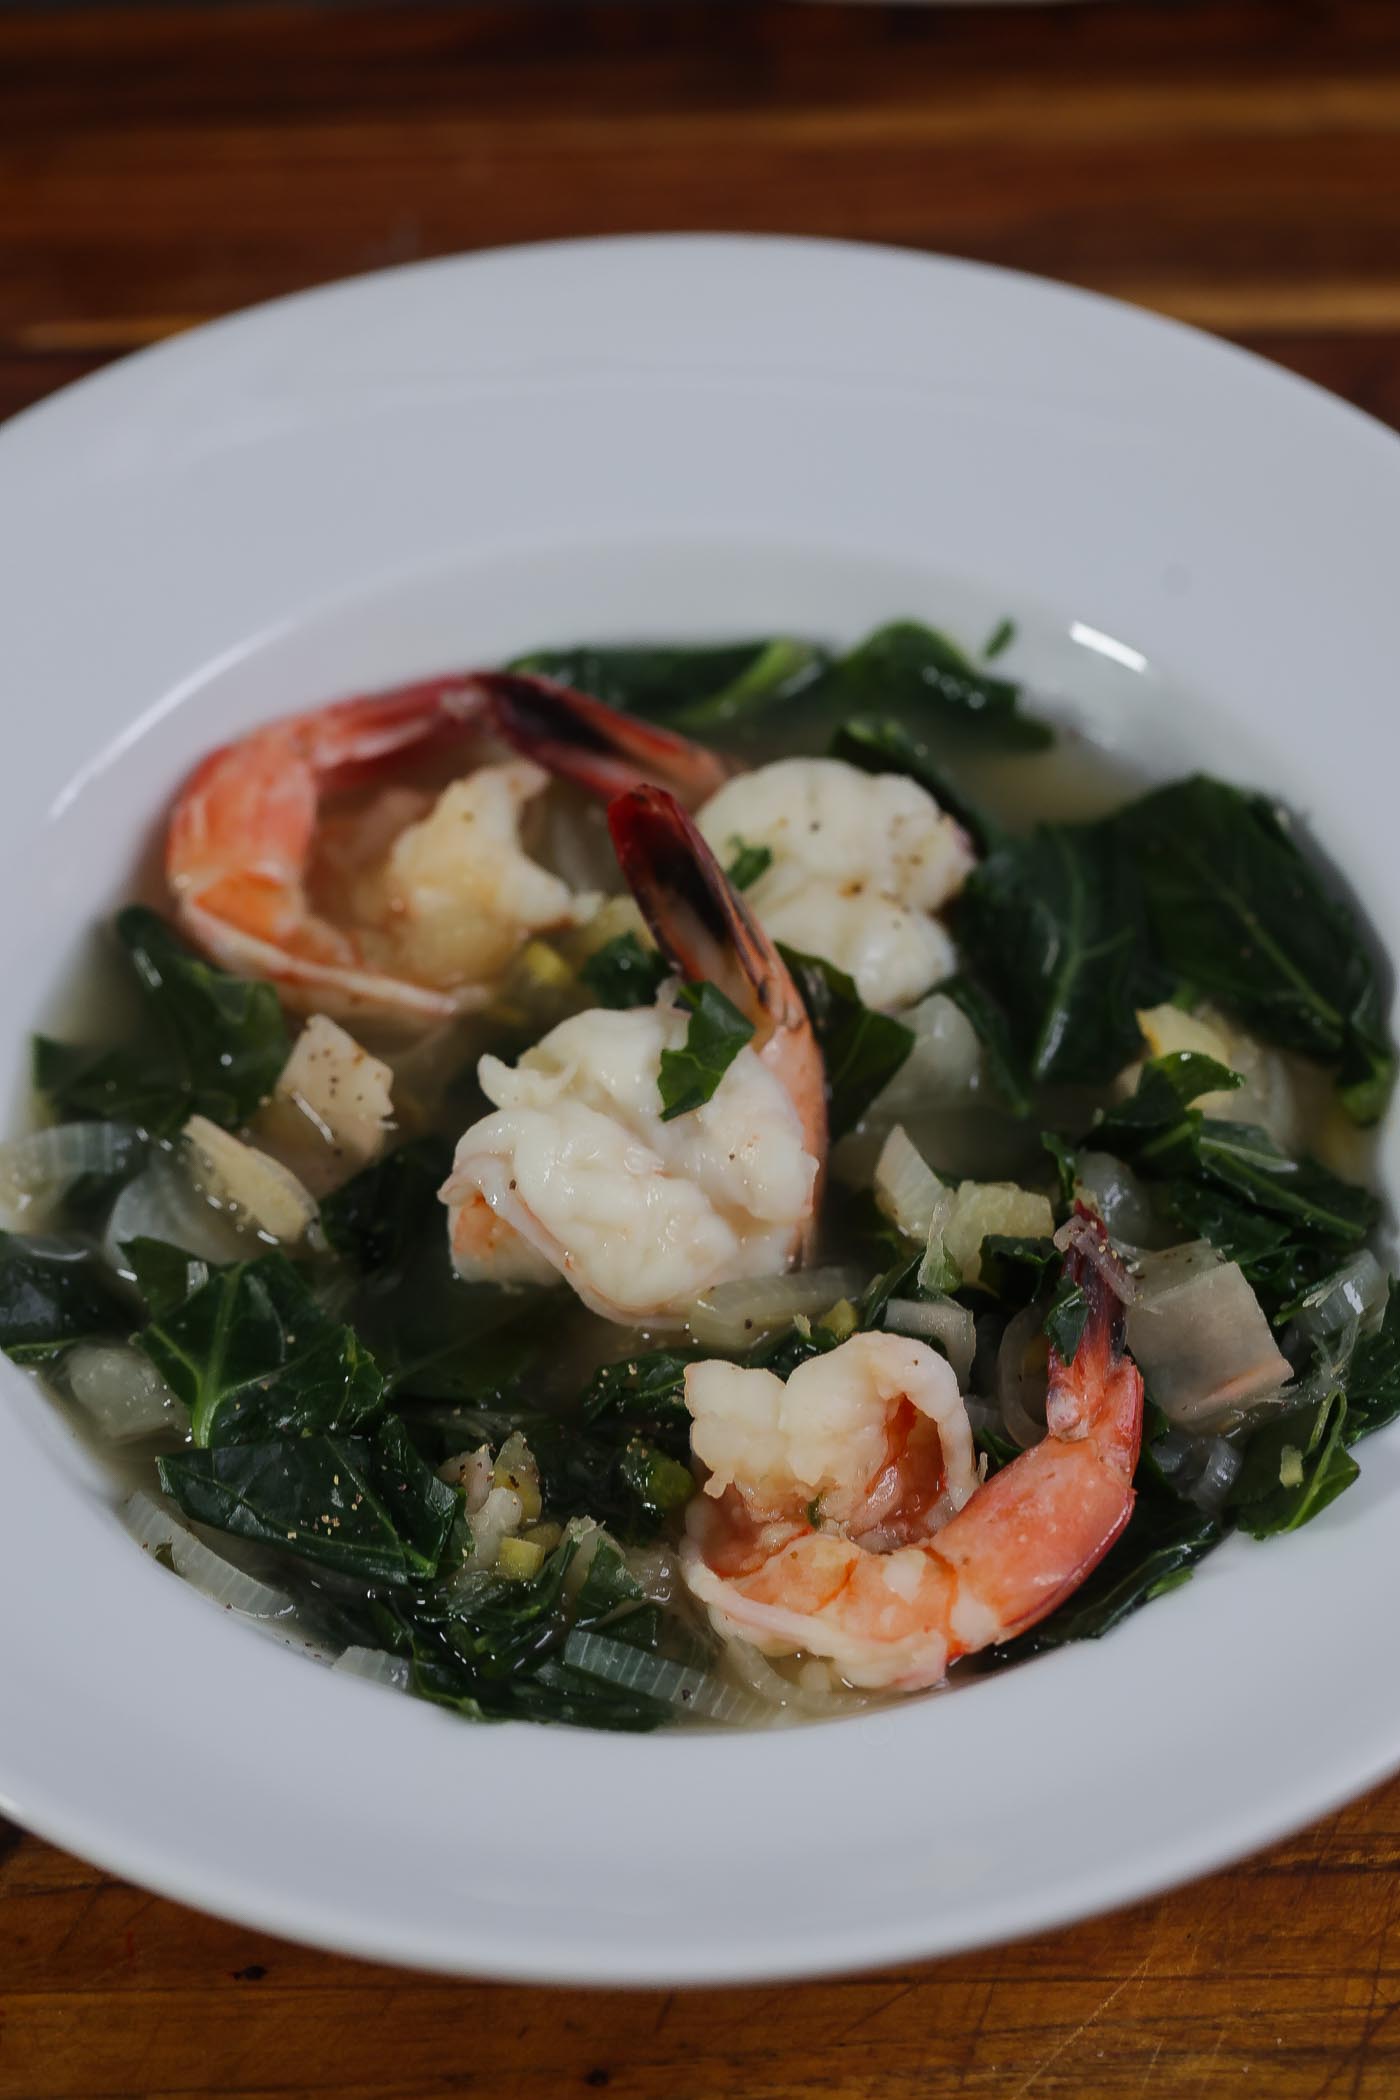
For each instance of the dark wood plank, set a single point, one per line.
(1232, 162)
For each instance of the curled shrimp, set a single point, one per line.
(898, 1565)
(426, 898)
(579, 1174)
(858, 864)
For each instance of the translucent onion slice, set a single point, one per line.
(1023, 1371)
(1200, 1338)
(1119, 1197)
(37, 1171)
(940, 1320)
(204, 1570)
(687, 1691)
(163, 1204)
(121, 1390)
(734, 1314)
(906, 1187)
(376, 1666)
(1356, 1291)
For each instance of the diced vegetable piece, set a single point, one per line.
(163, 1205)
(37, 1171)
(732, 1315)
(121, 1390)
(251, 1184)
(515, 1469)
(376, 1666)
(519, 1559)
(1000, 1207)
(163, 1536)
(906, 1187)
(939, 1320)
(331, 1111)
(1199, 1336)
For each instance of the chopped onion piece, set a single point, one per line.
(733, 1314)
(162, 1204)
(376, 1666)
(944, 1065)
(1217, 1476)
(204, 1570)
(906, 1187)
(37, 1171)
(982, 1207)
(251, 1184)
(1199, 1335)
(1357, 1291)
(1023, 1373)
(634, 1670)
(1119, 1198)
(121, 1390)
(940, 1320)
(331, 1109)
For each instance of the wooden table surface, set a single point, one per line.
(1234, 164)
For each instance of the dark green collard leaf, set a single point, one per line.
(748, 864)
(343, 1502)
(51, 1295)
(882, 744)
(218, 1042)
(661, 1485)
(1243, 1158)
(1066, 1319)
(379, 1215)
(1017, 1271)
(999, 1053)
(699, 687)
(497, 1655)
(899, 1280)
(1280, 1261)
(643, 1395)
(1373, 1378)
(624, 973)
(1000, 639)
(778, 673)
(1165, 1090)
(1164, 1540)
(1051, 930)
(861, 1050)
(438, 1338)
(252, 1356)
(717, 1033)
(1293, 1467)
(1065, 1166)
(1238, 912)
(167, 1277)
(913, 669)
(1247, 1173)
(421, 1507)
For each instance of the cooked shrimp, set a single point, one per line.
(578, 1171)
(432, 897)
(876, 1574)
(861, 863)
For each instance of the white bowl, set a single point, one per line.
(443, 465)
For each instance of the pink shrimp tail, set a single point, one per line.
(584, 740)
(1030, 1537)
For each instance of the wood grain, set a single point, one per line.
(1234, 164)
